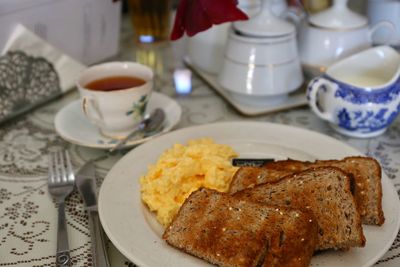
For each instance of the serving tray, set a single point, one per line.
(295, 99)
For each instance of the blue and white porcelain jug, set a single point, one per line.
(360, 95)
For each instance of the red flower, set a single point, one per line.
(193, 16)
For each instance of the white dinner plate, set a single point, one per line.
(136, 233)
(73, 126)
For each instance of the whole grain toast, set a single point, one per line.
(326, 192)
(365, 172)
(227, 231)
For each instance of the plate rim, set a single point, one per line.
(174, 123)
(385, 180)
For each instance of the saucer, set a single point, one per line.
(73, 126)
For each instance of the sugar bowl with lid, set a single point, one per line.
(333, 34)
(206, 49)
(261, 63)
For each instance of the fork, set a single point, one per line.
(60, 184)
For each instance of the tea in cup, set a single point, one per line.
(360, 95)
(114, 96)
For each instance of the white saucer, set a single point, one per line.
(72, 125)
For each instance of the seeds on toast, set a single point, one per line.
(227, 231)
(364, 171)
(325, 191)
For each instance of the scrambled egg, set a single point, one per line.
(183, 169)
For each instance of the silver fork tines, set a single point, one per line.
(61, 184)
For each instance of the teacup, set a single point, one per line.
(114, 96)
(360, 95)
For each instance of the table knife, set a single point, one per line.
(86, 184)
(248, 162)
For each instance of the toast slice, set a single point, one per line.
(326, 192)
(227, 231)
(365, 172)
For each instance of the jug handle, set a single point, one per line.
(383, 24)
(312, 95)
(294, 15)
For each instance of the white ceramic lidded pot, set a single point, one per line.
(261, 64)
(205, 49)
(334, 34)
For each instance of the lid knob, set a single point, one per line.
(264, 24)
(338, 17)
(340, 3)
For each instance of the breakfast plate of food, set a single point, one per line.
(178, 201)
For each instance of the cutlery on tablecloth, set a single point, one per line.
(86, 184)
(61, 184)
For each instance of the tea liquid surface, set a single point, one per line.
(115, 83)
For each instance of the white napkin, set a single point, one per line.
(32, 72)
(24, 40)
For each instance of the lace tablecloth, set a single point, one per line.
(28, 214)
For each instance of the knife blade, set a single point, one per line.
(86, 184)
(247, 162)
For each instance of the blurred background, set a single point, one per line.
(93, 27)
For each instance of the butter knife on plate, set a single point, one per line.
(86, 184)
